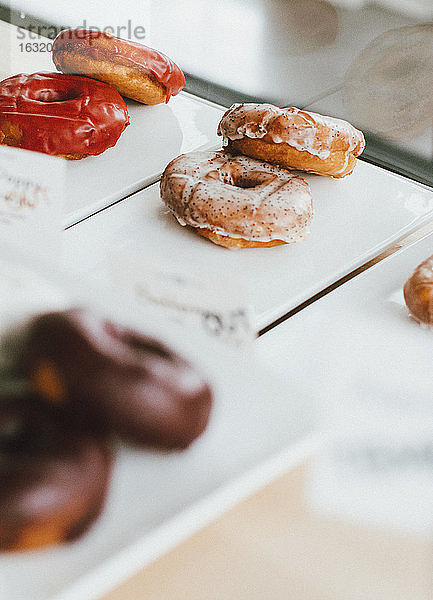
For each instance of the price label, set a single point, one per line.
(220, 308)
(31, 192)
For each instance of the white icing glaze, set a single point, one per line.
(238, 197)
(425, 271)
(305, 131)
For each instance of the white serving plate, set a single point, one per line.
(355, 218)
(155, 135)
(367, 366)
(362, 331)
(257, 431)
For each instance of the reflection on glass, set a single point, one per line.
(388, 88)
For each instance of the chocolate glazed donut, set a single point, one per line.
(116, 378)
(53, 478)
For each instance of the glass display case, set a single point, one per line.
(369, 63)
(239, 342)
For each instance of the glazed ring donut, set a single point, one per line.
(116, 378)
(53, 477)
(292, 138)
(62, 115)
(418, 292)
(237, 202)
(136, 71)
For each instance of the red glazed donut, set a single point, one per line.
(136, 71)
(62, 115)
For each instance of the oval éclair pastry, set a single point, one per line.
(292, 138)
(136, 71)
(236, 201)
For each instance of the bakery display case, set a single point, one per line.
(367, 62)
(215, 310)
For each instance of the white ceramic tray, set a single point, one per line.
(355, 219)
(367, 366)
(155, 136)
(361, 330)
(257, 431)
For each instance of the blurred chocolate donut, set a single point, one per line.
(388, 89)
(53, 479)
(115, 377)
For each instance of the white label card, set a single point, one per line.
(218, 306)
(31, 194)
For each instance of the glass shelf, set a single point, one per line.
(370, 65)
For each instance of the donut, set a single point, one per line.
(388, 86)
(53, 478)
(236, 201)
(136, 71)
(292, 138)
(115, 378)
(61, 115)
(418, 292)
